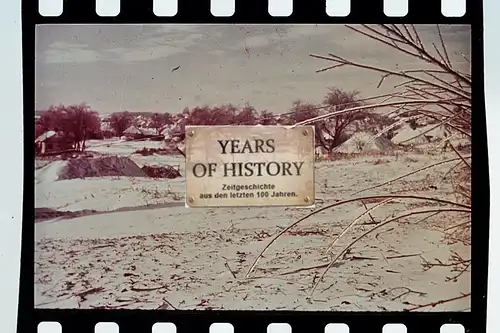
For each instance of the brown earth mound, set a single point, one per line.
(83, 167)
(167, 171)
(101, 167)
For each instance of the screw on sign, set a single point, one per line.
(249, 166)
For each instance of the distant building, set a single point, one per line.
(51, 141)
(165, 130)
(134, 133)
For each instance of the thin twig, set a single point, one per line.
(440, 210)
(467, 208)
(404, 256)
(433, 304)
(305, 269)
(354, 222)
(410, 173)
(379, 105)
(230, 270)
(147, 288)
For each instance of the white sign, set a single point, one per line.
(231, 166)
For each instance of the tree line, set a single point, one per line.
(78, 123)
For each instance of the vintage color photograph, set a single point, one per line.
(391, 223)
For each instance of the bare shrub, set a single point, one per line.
(437, 93)
(360, 144)
(75, 124)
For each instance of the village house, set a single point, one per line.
(135, 133)
(51, 141)
(106, 128)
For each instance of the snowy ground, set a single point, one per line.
(144, 250)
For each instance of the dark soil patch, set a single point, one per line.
(43, 214)
(166, 171)
(158, 151)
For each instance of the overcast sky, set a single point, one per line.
(129, 67)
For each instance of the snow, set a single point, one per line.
(143, 237)
(364, 142)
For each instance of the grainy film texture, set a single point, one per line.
(388, 111)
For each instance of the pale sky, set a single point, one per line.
(128, 67)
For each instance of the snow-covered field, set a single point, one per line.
(144, 250)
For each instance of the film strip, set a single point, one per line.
(160, 130)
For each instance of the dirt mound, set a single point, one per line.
(167, 171)
(84, 167)
(364, 142)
